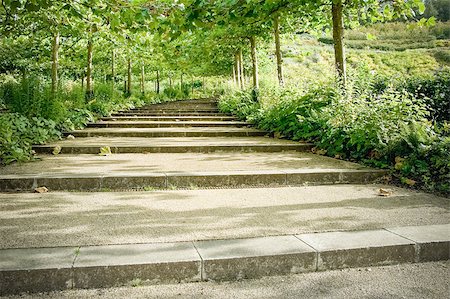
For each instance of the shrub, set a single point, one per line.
(18, 134)
(377, 125)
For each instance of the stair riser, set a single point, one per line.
(167, 110)
(170, 118)
(186, 106)
(205, 261)
(165, 125)
(172, 114)
(175, 149)
(168, 134)
(171, 180)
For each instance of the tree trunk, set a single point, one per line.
(234, 73)
(192, 83)
(113, 70)
(181, 82)
(241, 72)
(129, 76)
(89, 87)
(55, 50)
(254, 63)
(238, 71)
(338, 37)
(276, 25)
(170, 81)
(142, 79)
(157, 82)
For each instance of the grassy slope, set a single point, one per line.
(396, 51)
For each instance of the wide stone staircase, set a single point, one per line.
(179, 192)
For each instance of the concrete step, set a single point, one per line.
(173, 145)
(47, 269)
(191, 170)
(166, 124)
(168, 113)
(190, 106)
(168, 132)
(170, 118)
(171, 110)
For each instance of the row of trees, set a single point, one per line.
(189, 36)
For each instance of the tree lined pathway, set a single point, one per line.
(183, 147)
(285, 211)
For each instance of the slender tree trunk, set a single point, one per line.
(234, 73)
(181, 82)
(129, 76)
(55, 50)
(276, 25)
(157, 81)
(113, 61)
(241, 72)
(82, 80)
(254, 63)
(192, 83)
(338, 37)
(142, 79)
(170, 81)
(89, 86)
(238, 71)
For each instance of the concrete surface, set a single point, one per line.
(75, 219)
(178, 163)
(162, 170)
(232, 259)
(92, 145)
(165, 124)
(170, 118)
(426, 280)
(169, 132)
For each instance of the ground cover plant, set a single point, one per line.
(378, 96)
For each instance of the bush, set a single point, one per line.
(376, 125)
(32, 98)
(18, 134)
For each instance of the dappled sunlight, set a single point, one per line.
(167, 216)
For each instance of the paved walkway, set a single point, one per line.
(283, 209)
(424, 280)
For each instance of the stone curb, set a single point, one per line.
(182, 113)
(267, 148)
(100, 133)
(170, 118)
(166, 124)
(59, 268)
(100, 182)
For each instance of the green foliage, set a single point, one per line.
(433, 91)
(366, 123)
(18, 134)
(32, 98)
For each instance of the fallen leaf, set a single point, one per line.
(408, 182)
(277, 135)
(70, 137)
(398, 165)
(384, 192)
(399, 159)
(41, 190)
(105, 151)
(321, 152)
(56, 150)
